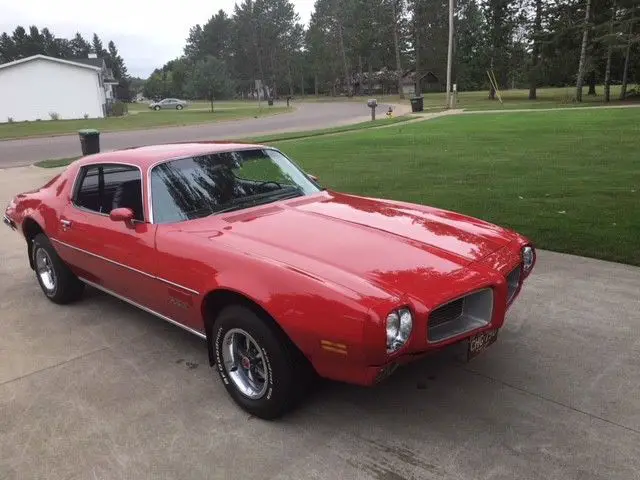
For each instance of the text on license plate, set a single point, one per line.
(481, 341)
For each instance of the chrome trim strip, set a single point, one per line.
(148, 310)
(195, 292)
(177, 285)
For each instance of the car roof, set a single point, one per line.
(149, 155)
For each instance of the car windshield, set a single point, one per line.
(197, 187)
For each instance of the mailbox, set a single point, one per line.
(372, 103)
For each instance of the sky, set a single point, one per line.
(147, 33)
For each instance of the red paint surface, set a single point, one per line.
(326, 267)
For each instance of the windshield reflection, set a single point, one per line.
(195, 187)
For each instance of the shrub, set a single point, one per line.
(54, 115)
(86, 115)
(10, 120)
(118, 109)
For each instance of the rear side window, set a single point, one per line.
(102, 188)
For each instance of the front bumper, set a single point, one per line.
(501, 273)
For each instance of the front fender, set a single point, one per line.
(320, 318)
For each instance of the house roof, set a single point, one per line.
(100, 63)
(73, 62)
(96, 62)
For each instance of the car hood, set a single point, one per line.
(396, 246)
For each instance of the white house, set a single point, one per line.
(43, 88)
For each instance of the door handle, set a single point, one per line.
(65, 223)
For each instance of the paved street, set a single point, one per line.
(99, 390)
(306, 116)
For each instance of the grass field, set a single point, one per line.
(512, 99)
(570, 180)
(137, 119)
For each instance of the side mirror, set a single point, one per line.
(121, 215)
(313, 178)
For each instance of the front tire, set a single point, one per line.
(56, 280)
(156, 108)
(256, 363)
(179, 107)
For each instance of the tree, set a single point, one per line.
(583, 51)
(397, 7)
(34, 44)
(500, 26)
(80, 48)
(471, 47)
(210, 79)
(49, 45)
(7, 48)
(20, 42)
(97, 47)
(627, 56)
(535, 54)
(610, 41)
(115, 62)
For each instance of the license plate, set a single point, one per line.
(480, 342)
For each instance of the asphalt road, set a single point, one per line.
(306, 116)
(100, 390)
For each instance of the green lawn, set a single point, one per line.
(570, 180)
(547, 98)
(140, 120)
(280, 137)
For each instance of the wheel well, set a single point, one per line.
(30, 229)
(216, 300)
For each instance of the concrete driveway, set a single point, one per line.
(306, 116)
(99, 390)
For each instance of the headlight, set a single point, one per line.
(528, 258)
(399, 325)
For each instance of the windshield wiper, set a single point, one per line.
(262, 200)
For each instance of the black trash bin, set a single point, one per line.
(270, 101)
(89, 141)
(417, 104)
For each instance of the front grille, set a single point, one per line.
(460, 316)
(447, 313)
(513, 282)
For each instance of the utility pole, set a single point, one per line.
(450, 53)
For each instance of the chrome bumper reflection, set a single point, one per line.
(8, 222)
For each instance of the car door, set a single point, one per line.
(114, 255)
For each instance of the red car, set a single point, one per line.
(281, 277)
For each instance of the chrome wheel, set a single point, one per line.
(245, 364)
(44, 269)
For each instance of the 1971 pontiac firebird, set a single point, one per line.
(282, 278)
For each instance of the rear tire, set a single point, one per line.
(56, 280)
(156, 108)
(179, 107)
(258, 364)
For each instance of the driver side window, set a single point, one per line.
(103, 187)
